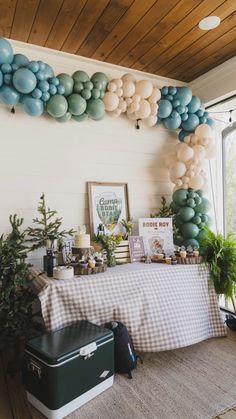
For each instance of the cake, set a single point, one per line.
(82, 241)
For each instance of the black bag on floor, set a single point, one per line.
(125, 355)
(231, 321)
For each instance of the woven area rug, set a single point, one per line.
(197, 382)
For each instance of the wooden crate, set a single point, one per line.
(122, 252)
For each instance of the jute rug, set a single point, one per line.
(197, 382)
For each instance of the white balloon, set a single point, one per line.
(187, 139)
(111, 87)
(199, 151)
(204, 130)
(136, 98)
(156, 94)
(128, 89)
(115, 113)
(128, 101)
(204, 140)
(196, 182)
(111, 101)
(119, 92)
(190, 173)
(128, 77)
(178, 170)
(184, 153)
(185, 186)
(185, 179)
(134, 106)
(178, 182)
(118, 82)
(144, 88)
(122, 105)
(154, 108)
(193, 139)
(144, 110)
(150, 121)
(131, 115)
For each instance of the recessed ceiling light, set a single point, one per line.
(209, 22)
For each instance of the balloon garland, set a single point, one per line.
(34, 85)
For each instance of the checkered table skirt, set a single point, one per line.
(164, 307)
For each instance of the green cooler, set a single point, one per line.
(62, 370)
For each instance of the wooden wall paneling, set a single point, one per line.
(44, 20)
(136, 11)
(109, 18)
(177, 53)
(23, 19)
(66, 18)
(83, 25)
(174, 34)
(149, 20)
(163, 27)
(7, 8)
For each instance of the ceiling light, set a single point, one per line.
(209, 22)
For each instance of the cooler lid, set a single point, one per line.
(58, 346)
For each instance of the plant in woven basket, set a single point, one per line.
(219, 253)
(109, 243)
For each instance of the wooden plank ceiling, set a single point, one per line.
(160, 37)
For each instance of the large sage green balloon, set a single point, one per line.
(80, 118)
(64, 118)
(80, 76)
(191, 242)
(67, 82)
(196, 219)
(186, 213)
(189, 230)
(100, 78)
(76, 104)
(95, 109)
(178, 240)
(57, 106)
(180, 197)
(204, 206)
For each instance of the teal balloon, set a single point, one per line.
(78, 86)
(95, 93)
(182, 134)
(169, 97)
(42, 65)
(76, 104)
(186, 213)
(196, 219)
(100, 78)
(180, 197)
(172, 90)
(6, 68)
(7, 78)
(204, 207)
(6, 52)
(45, 96)
(184, 116)
(24, 80)
(57, 106)
(43, 86)
(40, 75)
(191, 194)
(191, 242)
(54, 80)
(189, 230)
(194, 105)
(52, 89)
(172, 123)
(48, 72)
(9, 95)
(86, 94)
(202, 120)
(191, 123)
(191, 202)
(180, 109)
(20, 60)
(98, 85)
(33, 107)
(174, 207)
(95, 109)
(64, 118)
(80, 118)
(200, 113)
(1, 78)
(33, 66)
(178, 240)
(102, 93)
(204, 218)
(67, 82)
(184, 95)
(176, 103)
(60, 89)
(36, 93)
(164, 108)
(164, 90)
(210, 122)
(80, 76)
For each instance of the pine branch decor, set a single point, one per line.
(165, 211)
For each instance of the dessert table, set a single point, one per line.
(163, 306)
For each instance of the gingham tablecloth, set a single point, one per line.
(164, 307)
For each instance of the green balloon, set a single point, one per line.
(180, 197)
(191, 242)
(86, 93)
(78, 86)
(174, 207)
(189, 230)
(199, 192)
(80, 76)
(196, 219)
(100, 78)
(95, 93)
(95, 109)
(191, 202)
(204, 207)
(209, 221)
(102, 94)
(80, 118)
(197, 200)
(88, 85)
(76, 104)
(64, 118)
(191, 194)
(204, 218)
(178, 240)
(98, 85)
(186, 213)
(66, 81)
(57, 106)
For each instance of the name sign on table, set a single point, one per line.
(157, 235)
(136, 248)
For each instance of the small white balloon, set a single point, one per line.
(187, 139)
(119, 92)
(185, 186)
(134, 106)
(150, 121)
(178, 170)
(154, 108)
(111, 87)
(204, 141)
(128, 89)
(118, 83)
(199, 151)
(131, 115)
(196, 182)
(144, 110)
(204, 130)
(144, 88)
(184, 153)
(111, 101)
(128, 101)
(185, 179)
(156, 94)
(136, 98)
(115, 113)
(128, 77)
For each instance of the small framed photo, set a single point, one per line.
(108, 205)
(136, 248)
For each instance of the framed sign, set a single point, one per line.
(136, 248)
(108, 205)
(157, 235)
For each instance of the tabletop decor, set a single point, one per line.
(136, 248)
(109, 244)
(128, 226)
(108, 204)
(157, 234)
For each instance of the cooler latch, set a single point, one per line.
(35, 368)
(88, 350)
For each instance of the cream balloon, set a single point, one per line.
(118, 82)
(178, 170)
(154, 108)
(204, 141)
(144, 88)
(111, 101)
(128, 101)
(128, 77)
(193, 139)
(115, 113)
(187, 139)
(156, 94)
(111, 87)
(131, 115)
(204, 130)
(144, 110)
(136, 98)
(196, 182)
(119, 92)
(178, 182)
(135, 106)
(184, 153)
(185, 179)
(150, 121)
(199, 151)
(128, 89)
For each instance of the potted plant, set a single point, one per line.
(109, 244)
(17, 321)
(128, 226)
(47, 231)
(219, 253)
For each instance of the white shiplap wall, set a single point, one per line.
(41, 155)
